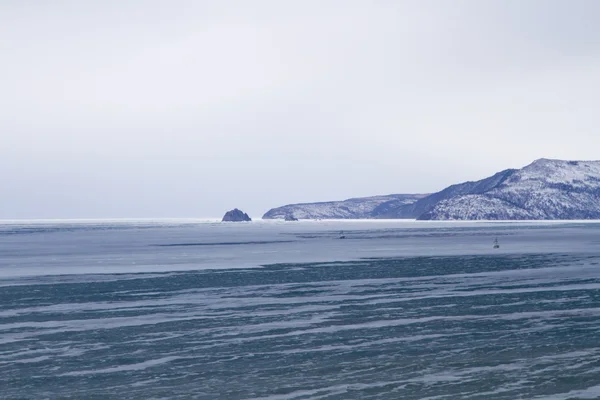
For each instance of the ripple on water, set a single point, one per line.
(475, 327)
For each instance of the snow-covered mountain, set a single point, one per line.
(545, 189)
(356, 208)
(427, 203)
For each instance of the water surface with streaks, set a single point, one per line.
(273, 310)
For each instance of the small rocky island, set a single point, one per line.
(236, 215)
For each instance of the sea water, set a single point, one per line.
(272, 310)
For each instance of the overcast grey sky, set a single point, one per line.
(189, 108)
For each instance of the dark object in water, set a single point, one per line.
(236, 215)
(496, 245)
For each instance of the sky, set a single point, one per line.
(158, 109)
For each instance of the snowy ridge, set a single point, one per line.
(356, 208)
(426, 204)
(545, 189)
(478, 207)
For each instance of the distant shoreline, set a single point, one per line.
(192, 220)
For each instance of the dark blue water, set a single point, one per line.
(395, 311)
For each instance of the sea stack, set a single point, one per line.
(236, 215)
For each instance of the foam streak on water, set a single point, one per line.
(479, 325)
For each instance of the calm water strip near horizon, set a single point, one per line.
(396, 310)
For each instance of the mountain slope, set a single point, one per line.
(426, 204)
(355, 208)
(545, 189)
